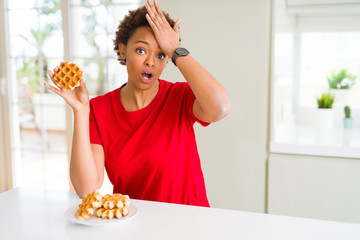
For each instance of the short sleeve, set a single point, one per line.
(93, 128)
(189, 101)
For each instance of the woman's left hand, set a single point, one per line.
(167, 37)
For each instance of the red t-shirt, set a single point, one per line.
(151, 154)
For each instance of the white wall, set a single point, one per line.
(231, 39)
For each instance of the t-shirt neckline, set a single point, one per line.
(153, 102)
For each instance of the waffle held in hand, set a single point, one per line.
(68, 76)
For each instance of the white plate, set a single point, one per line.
(70, 214)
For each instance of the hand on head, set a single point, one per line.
(167, 37)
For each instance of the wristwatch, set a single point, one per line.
(179, 52)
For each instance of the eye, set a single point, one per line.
(161, 56)
(140, 51)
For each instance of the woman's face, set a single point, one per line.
(145, 60)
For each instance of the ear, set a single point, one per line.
(122, 50)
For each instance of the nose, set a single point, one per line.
(150, 60)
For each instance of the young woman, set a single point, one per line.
(142, 133)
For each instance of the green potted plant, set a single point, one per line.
(348, 120)
(326, 100)
(325, 112)
(341, 83)
(341, 79)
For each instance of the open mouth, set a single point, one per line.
(147, 75)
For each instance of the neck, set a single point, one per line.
(134, 99)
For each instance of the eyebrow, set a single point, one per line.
(144, 42)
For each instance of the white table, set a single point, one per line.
(39, 214)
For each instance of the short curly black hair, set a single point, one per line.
(132, 21)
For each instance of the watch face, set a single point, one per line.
(182, 51)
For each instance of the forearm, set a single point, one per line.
(212, 101)
(84, 171)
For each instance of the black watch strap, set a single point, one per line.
(179, 52)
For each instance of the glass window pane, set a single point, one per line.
(48, 4)
(125, 1)
(23, 34)
(26, 75)
(75, 2)
(90, 31)
(29, 137)
(57, 138)
(111, 22)
(38, 117)
(321, 53)
(283, 76)
(20, 4)
(117, 13)
(49, 111)
(92, 2)
(56, 171)
(29, 175)
(45, 170)
(51, 35)
(110, 44)
(94, 75)
(117, 74)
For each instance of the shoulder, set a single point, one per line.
(103, 99)
(175, 87)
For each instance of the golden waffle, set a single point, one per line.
(115, 200)
(89, 204)
(109, 213)
(114, 205)
(68, 76)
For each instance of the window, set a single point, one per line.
(40, 121)
(307, 49)
(309, 44)
(328, 43)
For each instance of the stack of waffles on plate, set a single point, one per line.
(109, 206)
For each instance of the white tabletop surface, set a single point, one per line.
(39, 214)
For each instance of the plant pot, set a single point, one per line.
(348, 123)
(325, 118)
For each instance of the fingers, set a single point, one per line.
(56, 68)
(159, 11)
(53, 89)
(51, 75)
(176, 25)
(155, 13)
(156, 17)
(151, 22)
(82, 83)
(82, 86)
(150, 16)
